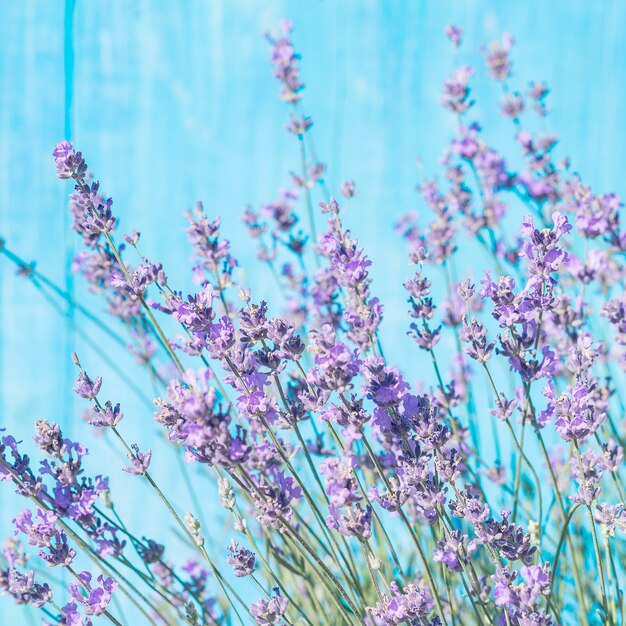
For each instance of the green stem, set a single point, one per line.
(327, 573)
(575, 565)
(194, 542)
(407, 523)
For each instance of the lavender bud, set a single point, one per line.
(227, 496)
(193, 525)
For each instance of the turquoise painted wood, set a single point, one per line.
(174, 102)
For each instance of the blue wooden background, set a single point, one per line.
(172, 102)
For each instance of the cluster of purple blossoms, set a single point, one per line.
(241, 559)
(497, 56)
(273, 496)
(455, 551)
(270, 611)
(101, 264)
(44, 533)
(212, 257)
(412, 605)
(360, 490)
(456, 90)
(422, 306)
(348, 273)
(454, 34)
(285, 62)
(200, 423)
(93, 599)
(521, 314)
(24, 589)
(520, 602)
(91, 211)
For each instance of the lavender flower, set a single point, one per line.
(108, 416)
(285, 61)
(454, 34)
(412, 603)
(454, 550)
(73, 617)
(49, 438)
(355, 522)
(359, 471)
(87, 388)
(269, 611)
(456, 91)
(140, 461)
(242, 560)
(25, 590)
(94, 600)
(274, 504)
(497, 57)
(69, 163)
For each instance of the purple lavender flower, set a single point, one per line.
(253, 322)
(299, 126)
(212, 255)
(475, 334)
(520, 601)
(94, 600)
(140, 461)
(25, 590)
(241, 559)
(348, 189)
(611, 517)
(503, 579)
(503, 407)
(58, 552)
(40, 531)
(196, 419)
(497, 57)
(73, 617)
(456, 91)
(507, 538)
(341, 483)
(87, 388)
(454, 34)
(356, 521)
(411, 604)
(151, 551)
(68, 162)
(384, 384)
(349, 264)
(538, 92)
(269, 611)
(18, 470)
(285, 62)
(49, 438)
(456, 548)
(335, 364)
(278, 492)
(43, 533)
(578, 411)
(512, 106)
(108, 416)
(221, 338)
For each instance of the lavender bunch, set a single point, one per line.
(481, 494)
